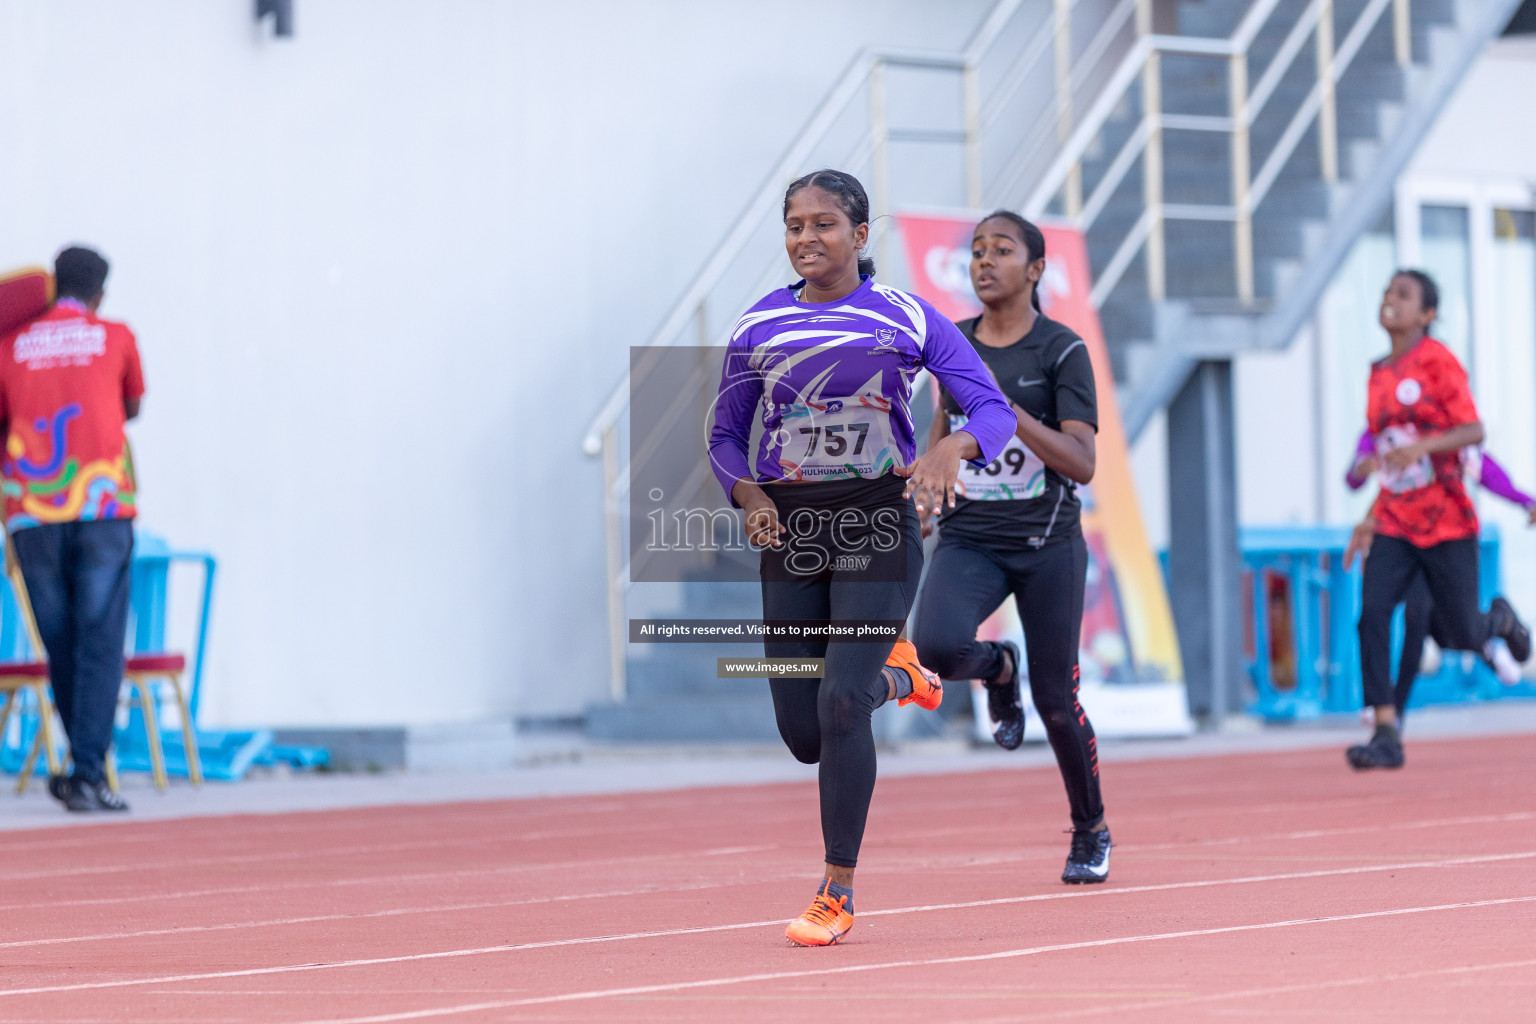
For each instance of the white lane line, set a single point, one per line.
(1007, 954)
(1491, 858)
(1195, 844)
(416, 876)
(588, 940)
(363, 915)
(303, 823)
(1277, 990)
(312, 854)
(874, 864)
(482, 841)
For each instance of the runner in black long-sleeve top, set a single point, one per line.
(1017, 529)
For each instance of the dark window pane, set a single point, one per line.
(1514, 224)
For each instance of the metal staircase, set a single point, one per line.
(1279, 129)
(1221, 156)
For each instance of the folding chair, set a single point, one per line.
(140, 671)
(16, 679)
(19, 677)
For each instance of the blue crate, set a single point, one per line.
(1322, 607)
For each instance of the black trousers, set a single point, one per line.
(1419, 621)
(826, 721)
(966, 583)
(1449, 570)
(77, 578)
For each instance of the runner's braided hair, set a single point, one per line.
(850, 195)
(1034, 241)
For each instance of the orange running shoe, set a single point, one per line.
(927, 688)
(824, 922)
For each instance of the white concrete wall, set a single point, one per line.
(1480, 135)
(382, 276)
(1278, 436)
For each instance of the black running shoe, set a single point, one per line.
(85, 797)
(1004, 706)
(1385, 750)
(1089, 860)
(1507, 624)
(59, 787)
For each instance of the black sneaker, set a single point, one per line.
(1385, 750)
(1507, 624)
(60, 787)
(85, 797)
(1004, 706)
(1089, 859)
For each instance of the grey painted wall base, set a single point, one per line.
(685, 719)
(454, 746)
(1204, 562)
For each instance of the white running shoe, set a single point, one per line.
(1504, 665)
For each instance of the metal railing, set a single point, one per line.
(1140, 71)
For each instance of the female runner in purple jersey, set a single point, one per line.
(1419, 620)
(825, 367)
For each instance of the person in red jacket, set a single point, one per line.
(1420, 412)
(69, 381)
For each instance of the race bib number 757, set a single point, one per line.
(838, 440)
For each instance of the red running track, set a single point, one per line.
(1273, 886)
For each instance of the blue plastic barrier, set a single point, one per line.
(1300, 646)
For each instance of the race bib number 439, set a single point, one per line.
(1016, 474)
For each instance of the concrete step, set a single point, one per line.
(677, 669)
(1217, 18)
(712, 599)
(694, 719)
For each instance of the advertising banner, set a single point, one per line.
(1132, 678)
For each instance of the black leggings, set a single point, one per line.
(1449, 570)
(827, 720)
(966, 583)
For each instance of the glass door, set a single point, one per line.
(1445, 253)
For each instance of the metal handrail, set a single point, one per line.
(1250, 189)
(1032, 140)
(821, 122)
(1284, 57)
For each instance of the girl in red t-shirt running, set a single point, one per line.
(1421, 415)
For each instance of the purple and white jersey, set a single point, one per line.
(832, 385)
